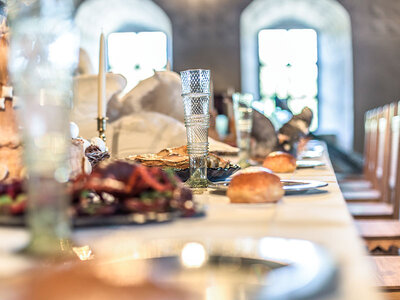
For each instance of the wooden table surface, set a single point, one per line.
(320, 217)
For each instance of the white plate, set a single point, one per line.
(289, 186)
(301, 186)
(310, 154)
(305, 164)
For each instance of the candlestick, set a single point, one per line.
(102, 106)
(101, 128)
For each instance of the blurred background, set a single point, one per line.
(340, 58)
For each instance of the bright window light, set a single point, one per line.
(137, 55)
(289, 70)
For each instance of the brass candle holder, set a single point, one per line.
(101, 127)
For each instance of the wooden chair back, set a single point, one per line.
(382, 125)
(367, 142)
(394, 177)
(382, 153)
(373, 147)
(385, 149)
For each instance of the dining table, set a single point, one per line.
(319, 216)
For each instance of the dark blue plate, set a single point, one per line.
(213, 174)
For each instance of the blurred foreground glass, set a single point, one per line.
(43, 55)
(196, 98)
(243, 110)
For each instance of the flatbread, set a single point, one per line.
(176, 158)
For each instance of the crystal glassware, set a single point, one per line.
(44, 53)
(243, 110)
(196, 98)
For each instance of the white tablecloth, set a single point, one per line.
(321, 217)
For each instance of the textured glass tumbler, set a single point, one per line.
(196, 98)
(243, 110)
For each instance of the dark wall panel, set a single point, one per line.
(207, 35)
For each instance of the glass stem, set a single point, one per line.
(198, 171)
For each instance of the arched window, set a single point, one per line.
(288, 70)
(139, 36)
(299, 51)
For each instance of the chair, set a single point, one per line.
(360, 189)
(380, 205)
(364, 181)
(386, 233)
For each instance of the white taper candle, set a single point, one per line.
(102, 105)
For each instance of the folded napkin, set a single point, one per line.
(146, 132)
(159, 93)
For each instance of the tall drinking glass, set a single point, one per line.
(243, 110)
(44, 53)
(196, 98)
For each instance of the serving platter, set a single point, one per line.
(112, 220)
(223, 268)
(192, 268)
(306, 164)
(252, 268)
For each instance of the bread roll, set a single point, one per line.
(280, 162)
(255, 187)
